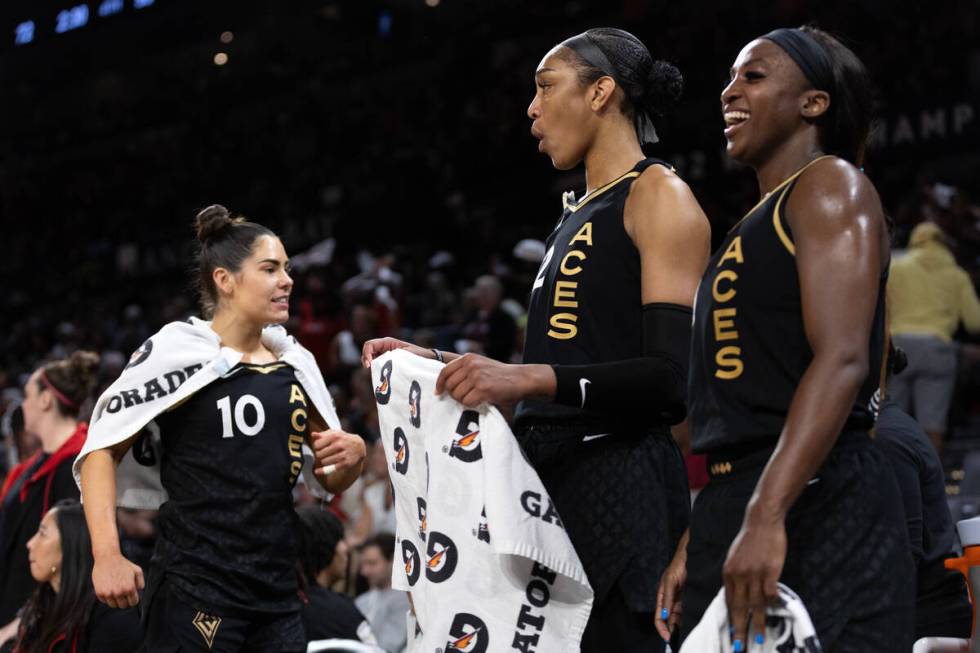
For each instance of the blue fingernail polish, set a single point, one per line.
(760, 639)
(737, 646)
(664, 614)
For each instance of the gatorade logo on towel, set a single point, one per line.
(468, 634)
(383, 392)
(466, 441)
(401, 452)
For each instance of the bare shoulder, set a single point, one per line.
(660, 199)
(837, 191)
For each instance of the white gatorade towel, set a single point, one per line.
(480, 546)
(174, 363)
(788, 628)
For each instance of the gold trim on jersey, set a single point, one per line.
(265, 369)
(779, 186)
(778, 224)
(599, 191)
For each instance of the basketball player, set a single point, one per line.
(608, 331)
(787, 359)
(223, 572)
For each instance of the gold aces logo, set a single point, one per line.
(467, 634)
(443, 557)
(383, 392)
(415, 404)
(402, 453)
(466, 441)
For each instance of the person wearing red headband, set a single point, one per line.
(53, 397)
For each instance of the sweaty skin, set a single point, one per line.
(842, 249)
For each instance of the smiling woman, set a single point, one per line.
(787, 367)
(222, 574)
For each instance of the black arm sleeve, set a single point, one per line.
(649, 389)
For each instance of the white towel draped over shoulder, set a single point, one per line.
(169, 367)
(479, 544)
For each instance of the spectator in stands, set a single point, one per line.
(929, 297)
(322, 563)
(63, 616)
(491, 329)
(376, 513)
(345, 350)
(53, 396)
(385, 608)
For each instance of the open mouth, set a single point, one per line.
(734, 120)
(538, 135)
(282, 301)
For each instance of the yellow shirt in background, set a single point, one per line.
(928, 293)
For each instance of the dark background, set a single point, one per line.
(402, 141)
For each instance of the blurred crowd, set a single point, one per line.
(402, 179)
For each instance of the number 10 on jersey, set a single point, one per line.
(224, 407)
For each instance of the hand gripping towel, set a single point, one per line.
(788, 628)
(169, 367)
(479, 546)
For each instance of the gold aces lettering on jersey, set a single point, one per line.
(728, 356)
(564, 304)
(298, 425)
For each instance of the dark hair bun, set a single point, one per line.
(84, 366)
(212, 220)
(664, 87)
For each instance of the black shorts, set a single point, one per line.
(848, 555)
(613, 626)
(173, 626)
(623, 499)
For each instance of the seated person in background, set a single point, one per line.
(323, 560)
(53, 397)
(942, 607)
(385, 608)
(490, 330)
(63, 616)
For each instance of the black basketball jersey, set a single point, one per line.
(586, 301)
(231, 455)
(749, 349)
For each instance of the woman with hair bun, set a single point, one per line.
(53, 398)
(237, 402)
(608, 331)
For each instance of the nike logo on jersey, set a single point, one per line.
(583, 384)
(588, 438)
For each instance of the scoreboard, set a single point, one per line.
(31, 23)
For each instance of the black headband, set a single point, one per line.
(809, 55)
(583, 46)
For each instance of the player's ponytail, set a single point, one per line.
(225, 242)
(650, 87)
